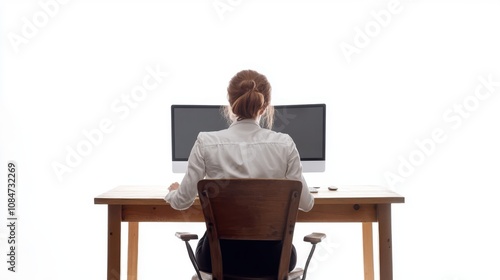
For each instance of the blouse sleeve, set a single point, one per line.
(184, 196)
(294, 171)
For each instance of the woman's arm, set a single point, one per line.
(294, 171)
(182, 196)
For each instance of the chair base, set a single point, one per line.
(204, 275)
(295, 274)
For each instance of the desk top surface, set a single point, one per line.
(153, 195)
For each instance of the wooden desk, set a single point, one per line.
(365, 204)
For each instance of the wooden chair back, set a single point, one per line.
(250, 209)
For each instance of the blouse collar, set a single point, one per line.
(246, 121)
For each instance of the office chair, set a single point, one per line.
(250, 209)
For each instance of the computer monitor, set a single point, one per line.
(305, 123)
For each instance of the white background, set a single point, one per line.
(63, 78)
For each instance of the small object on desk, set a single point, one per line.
(313, 189)
(333, 188)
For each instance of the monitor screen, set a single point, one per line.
(304, 123)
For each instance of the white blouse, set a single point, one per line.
(244, 150)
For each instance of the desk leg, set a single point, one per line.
(368, 250)
(385, 241)
(114, 241)
(133, 250)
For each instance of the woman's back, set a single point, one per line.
(245, 150)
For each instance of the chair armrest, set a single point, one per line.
(314, 237)
(186, 236)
